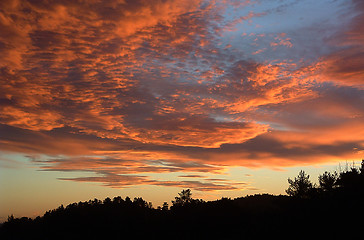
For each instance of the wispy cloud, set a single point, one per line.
(122, 181)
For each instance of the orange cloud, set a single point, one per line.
(345, 65)
(122, 181)
(281, 41)
(130, 88)
(201, 132)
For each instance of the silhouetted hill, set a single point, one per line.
(333, 209)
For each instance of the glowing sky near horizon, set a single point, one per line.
(152, 96)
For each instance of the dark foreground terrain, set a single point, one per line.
(333, 209)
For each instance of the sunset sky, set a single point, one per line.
(149, 97)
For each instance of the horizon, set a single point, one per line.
(144, 98)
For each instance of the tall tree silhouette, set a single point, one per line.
(184, 198)
(301, 186)
(328, 181)
(352, 180)
(165, 206)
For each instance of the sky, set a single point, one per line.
(148, 97)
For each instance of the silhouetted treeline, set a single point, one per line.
(333, 208)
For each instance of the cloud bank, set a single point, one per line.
(129, 88)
